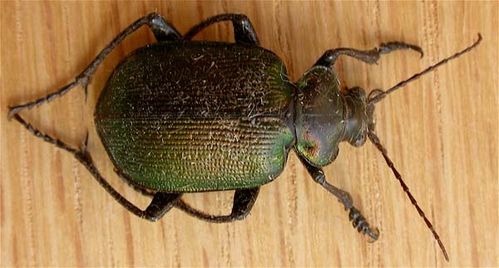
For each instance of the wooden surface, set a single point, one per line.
(441, 132)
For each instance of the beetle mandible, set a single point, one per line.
(182, 116)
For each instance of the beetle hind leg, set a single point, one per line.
(244, 199)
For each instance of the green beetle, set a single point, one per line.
(183, 116)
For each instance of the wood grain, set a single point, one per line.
(441, 131)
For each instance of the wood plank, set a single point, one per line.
(441, 131)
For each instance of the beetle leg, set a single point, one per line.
(244, 199)
(161, 29)
(368, 56)
(244, 33)
(161, 203)
(359, 222)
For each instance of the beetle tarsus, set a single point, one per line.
(386, 48)
(368, 56)
(360, 223)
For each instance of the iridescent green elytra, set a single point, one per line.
(197, 116)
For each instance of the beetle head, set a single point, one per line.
(357, 117)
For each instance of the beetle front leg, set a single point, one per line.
(359, 222)
(244, 199)
(161, 29)
(244, 33)
(368, 56)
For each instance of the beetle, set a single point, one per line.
(181, 116)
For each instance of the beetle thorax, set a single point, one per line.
(325, 116)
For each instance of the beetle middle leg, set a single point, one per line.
(368, 56)
(243, 29)
(161, 29)
(244, 199)
(359, 222)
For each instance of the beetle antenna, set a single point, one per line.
(382, 95)
(377, 95)
(375, 140)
